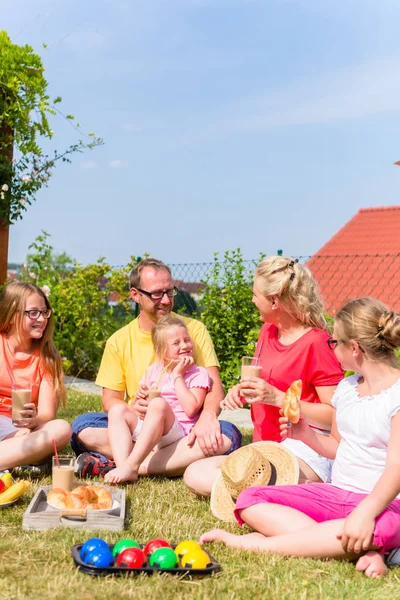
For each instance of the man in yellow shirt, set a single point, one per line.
(128, 353)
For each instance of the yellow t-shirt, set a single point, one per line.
(129, 351)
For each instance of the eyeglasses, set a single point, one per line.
(35, 314)
(159, 294)
(333, 343)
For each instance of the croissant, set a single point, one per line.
(291, 402)
(58, 498)
(91, 497)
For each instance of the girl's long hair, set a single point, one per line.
(13, 301)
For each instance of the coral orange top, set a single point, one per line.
(26, 373)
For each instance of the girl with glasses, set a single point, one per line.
(30, 362)
(357, 516)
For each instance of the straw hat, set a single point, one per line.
(261, 463)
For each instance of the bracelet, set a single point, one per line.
(177, 377)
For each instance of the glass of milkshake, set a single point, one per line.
(21, 395)
(63, 472)
(250, 367)
(153, 393)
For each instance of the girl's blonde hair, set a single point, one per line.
(295, 286)
(13, 299)
(373, 326)
(158, 334)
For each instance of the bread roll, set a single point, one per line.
(291, 402)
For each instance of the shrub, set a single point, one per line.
(79, 295)
(229, 314)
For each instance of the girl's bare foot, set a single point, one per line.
(120, 474)
(372, 564)
(250, 541)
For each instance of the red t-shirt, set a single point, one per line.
(309, 359)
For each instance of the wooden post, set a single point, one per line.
(6, 156)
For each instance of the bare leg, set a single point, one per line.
(315, 541)
(95, 439)
(158, 421)
(200, 475)
(372, 564)
(306, 474)
(121, 425)
(27, 447)
(275, 519)
(172, 460)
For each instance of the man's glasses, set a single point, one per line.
(35, 314)
(159, 294)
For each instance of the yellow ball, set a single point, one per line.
(185, 546)
(195, 559)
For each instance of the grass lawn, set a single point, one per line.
(39, 564)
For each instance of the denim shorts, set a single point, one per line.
(100, 420)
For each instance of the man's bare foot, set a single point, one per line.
(120, 474)
(250, 541)
(372, 564)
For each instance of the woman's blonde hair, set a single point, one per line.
(158, 334)
(295, 286)
(373, 326)
(13, 299)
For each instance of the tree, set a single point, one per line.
(24, 110)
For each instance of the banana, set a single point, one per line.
(15, 491)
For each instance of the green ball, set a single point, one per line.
(163, 558)
(123, 545)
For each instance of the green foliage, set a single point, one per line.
(229, 314)
(79, 297)
(185, 304)
(24, 110)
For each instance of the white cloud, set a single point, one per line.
(119, 164)
(352, 93)
(88, 164)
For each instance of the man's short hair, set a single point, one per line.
(135, 274)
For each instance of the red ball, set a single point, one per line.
(151, 546)
(133, 558)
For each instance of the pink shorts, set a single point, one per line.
(324, 502)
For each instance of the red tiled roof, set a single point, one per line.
(361, 259)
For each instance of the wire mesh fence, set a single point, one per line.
(340, 277)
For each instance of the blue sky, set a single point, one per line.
(259, 124)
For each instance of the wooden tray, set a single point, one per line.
(39, 515)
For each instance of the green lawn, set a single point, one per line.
(39, 564)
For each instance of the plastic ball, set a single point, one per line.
(151, 546)
(123, 545)
(92, 544)
(185, 546)
(133, 558)
(163, 558)
(100, 557)
(195, 559)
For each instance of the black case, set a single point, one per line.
(118, 571)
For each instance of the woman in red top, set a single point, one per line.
(292, 345)
(29, 356)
